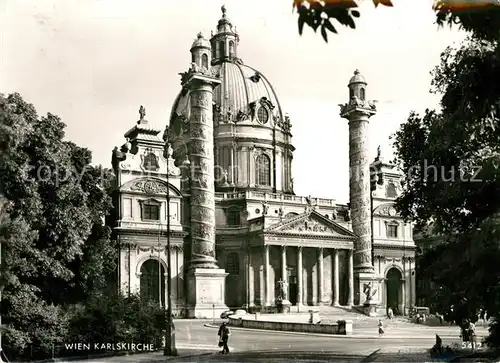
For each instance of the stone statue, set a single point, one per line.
(348, 215)
(379, 151)
(368, 291)
(373, 104)
(168, 151)
(281, 213)
(225, 177)
(142, 112)
(265, 208)
(283, 287)
(334, 214)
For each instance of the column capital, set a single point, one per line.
(299, 248)
(283, 248)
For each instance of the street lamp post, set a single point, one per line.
(169, 348)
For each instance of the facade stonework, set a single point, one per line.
(237, 229)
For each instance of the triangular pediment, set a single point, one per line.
(310, 223)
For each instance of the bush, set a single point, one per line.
(118, 319)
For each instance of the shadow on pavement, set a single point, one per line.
(271, 357)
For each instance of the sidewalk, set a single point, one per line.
(397, 333)
(184, 351)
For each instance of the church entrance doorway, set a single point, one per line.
(153, 281)
(393, 290)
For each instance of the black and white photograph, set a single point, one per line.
(249, 181)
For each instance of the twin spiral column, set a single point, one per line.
(358, 111)
(205, 280)
(201, 152)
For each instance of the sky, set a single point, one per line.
(94, 62)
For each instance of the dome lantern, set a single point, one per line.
(225, 40)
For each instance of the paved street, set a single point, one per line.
(193, 337)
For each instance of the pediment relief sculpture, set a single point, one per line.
(386, 210)
(149, 187)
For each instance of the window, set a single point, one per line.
(262, 115)
(151, 162)
(222, 51)
(362, 94)
(150, 211)
(351, 93)
(262, 170)
(204, 60)
(392, 230)
(233, 217)
(291, 214)
(193, 59)
(233, 264)
(231, 48)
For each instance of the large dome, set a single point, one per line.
(241, 85)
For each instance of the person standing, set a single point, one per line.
(224, 334)
(380, 328)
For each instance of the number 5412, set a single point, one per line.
(469, 345)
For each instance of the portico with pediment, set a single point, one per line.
(309, 251)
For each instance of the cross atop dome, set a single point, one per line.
(223, 9)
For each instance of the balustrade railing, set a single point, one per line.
(274, 197)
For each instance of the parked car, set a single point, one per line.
(226, 314)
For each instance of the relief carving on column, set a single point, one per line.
(202, 214)
(201, 99)
(127, 262)
(203, 199)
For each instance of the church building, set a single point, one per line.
(218, 185)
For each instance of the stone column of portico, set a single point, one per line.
(299, 276)
(336, 289)
(251, 283)
(283, 263)
(267, 276)
(320, 276)
(350, 299)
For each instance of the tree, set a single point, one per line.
(450, 161)
(481, 17)
(55, 248)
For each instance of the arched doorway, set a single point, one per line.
(393, 290)
(153, 281)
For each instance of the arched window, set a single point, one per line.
(222, 51)
(193, 59)
(233, 264)
(204, 60)
(231, 48)
(152, 274)
(351, 93)
(362, 94)
(263, 170)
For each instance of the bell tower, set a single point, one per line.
(225, 41)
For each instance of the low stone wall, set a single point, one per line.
(342, 327)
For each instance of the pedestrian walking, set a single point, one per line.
(390, 313)
(224, 334)
(380, 328)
